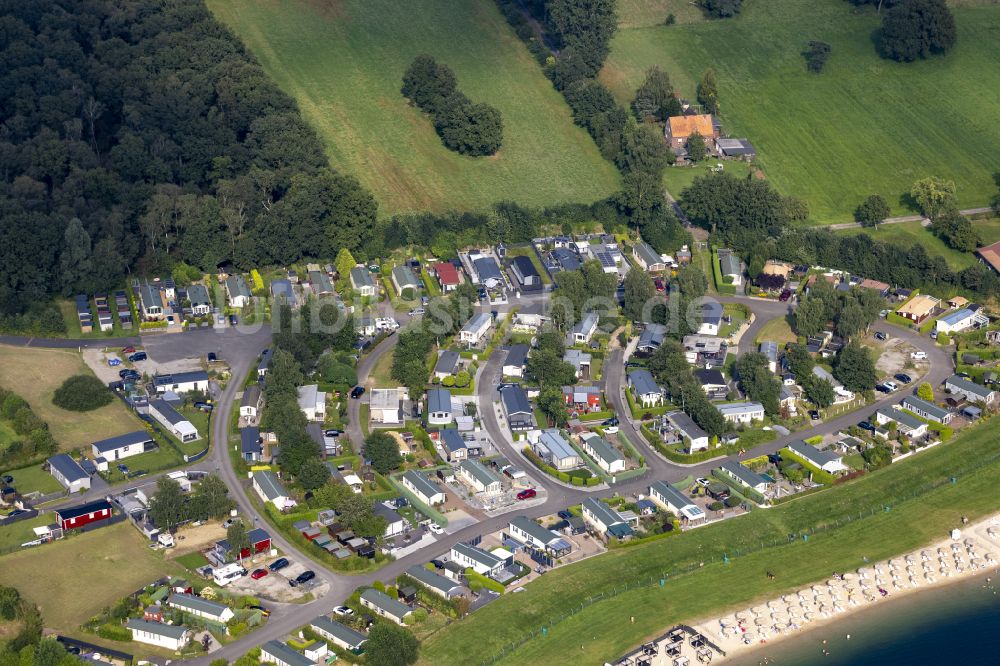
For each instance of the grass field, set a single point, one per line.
(864, 125)
(643, 13)
(13, 535)
(34, 478)
(344, 62)
(115, 561)
(910, 233)
(845, 524)
(677, 178)
(776, 330)
(35, 374)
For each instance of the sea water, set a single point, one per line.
(957, 623)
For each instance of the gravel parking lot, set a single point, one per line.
(274, 586)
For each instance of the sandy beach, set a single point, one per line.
(973, 551)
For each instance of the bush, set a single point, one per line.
(716, 506)
(732, 501)
(82, 393)
(114, 632)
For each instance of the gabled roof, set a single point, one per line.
(515, 400)
(682, 127)
(601, 448)
(432, 580)
(957, 317)
(585, 325)
(237, 286)
(167, 411)
(174, 632)
(282, 288)
(477, 322)
(285, 654)
(532, 528)
(686, 425)
(382, 600)
(419, 481)
(524, 265)
(812, 454)
(479, 555)
(991, 255)
(391, 515)
(196, 603)
(150, 296)
(769, 348)
(180, 378)
(360, 277)
(447, 361)
(438, 400)
(67, 467)
(251, 396)
(404, 277)
(602, 511)
(487, 268)
(710, 377)
(652, 336)
(68, 512)
(734, 408)
(730, 264)
(743, 473)
(354, 639)
(643, 383)
(269, 484)
(320, 282)
(479, 473)
(198, 295)
(447, 273)
(670, 494)
(517, 355)
(970, 386)
(913, 403)
(128, 439)
(566, 258)
(452, 440)
(901, 417)
(646, 253)
(552, 440)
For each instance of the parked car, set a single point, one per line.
(263, 611)
(879, 335)
(437, 564)
(774, 459)
(611, 430)
(918, 355)
(138, 356)
(212, 358)
(357, 392)
(416, 312)
(785, 295)
(128, 350)
(278, 564)
(883, 314)
(865, 425)
(527, 493)
(814, 415)
(333, 432)
(258, 574)
(891, 385)
(203, 406)
(435, 528)
(343, 611)
(113, 362)
(127, 373)
(565, 515)
(613, 421)
(303, 577)
(703, 482)
(882, 388)
(903, 377)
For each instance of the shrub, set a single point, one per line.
(82, 393)
(732, 501)
(114, 632)
(716, 506)
(462, 379)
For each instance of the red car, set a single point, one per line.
(258, 574)
(527, 493)
(128, 350)
(659, 285)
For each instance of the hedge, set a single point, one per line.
(818, 475)
(749, 493)
(562, 476)
(894, 318)
(477, 580)
(720, 284)
(114, 632)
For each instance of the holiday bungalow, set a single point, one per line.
(436, 583)
(517, 408)
(201, 304)
(744, 476)
(514, 363)
(439, 410)
(259, 540)
(280, 654)
(385, 606)
(425, 490)
(713, 383)
(651, 338)
(81, 515)
(474, 331)
(182, 382)
(339, 634)
(918, 308)
(826, 460)
(604, 520)
(969, 390)
(551, 447)
(646, 390)
(648, 258)
(123, 446)
(690, 432)
(251, 402)
(237, 291)
(478, 478)
(580, 360)
(679, 129)
(404, 281)
(270, 489)
(150, 302)
(525, 272)
(606, 456)
(583, 331)
(447, 276)
(69, 473)
(477, 559)
(582, 398)
(167, 636)
(362, 282)
(741, 412)
(173, 421)
(447, 364)
(676, 502)
(906, 424)
(200, 607)
(312, 402)
(320, 283)
(251, 444)
(526, 531)
(926, 410)
(386, 406)
(961, 320)
(704, 349)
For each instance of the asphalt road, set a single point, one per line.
(241, 351)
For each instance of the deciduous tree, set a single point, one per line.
(383, 452)
(872, 211)
(391, 645)
(913, 29)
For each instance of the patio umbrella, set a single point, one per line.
(970, 542)
(809, 617)
(774, 604)
(926, 555)
(743, 615)
(990, 558)
(760, 621)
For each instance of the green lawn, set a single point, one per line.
(34, 478)
(116, 561)
(776, 330)
(844, 524)
(162, 458)
(910, 233)
(679, 177)
(7, 434)
(343, 62)
(35, 374)
(641, 13)
(13, 535)
(864, 125)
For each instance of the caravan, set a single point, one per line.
(225, 575)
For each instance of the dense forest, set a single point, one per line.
(134, 134)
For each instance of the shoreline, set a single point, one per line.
(798, 614)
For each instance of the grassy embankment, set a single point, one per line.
(586, 607)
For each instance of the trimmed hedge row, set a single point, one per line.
(818, 475)
(562, 476)
(749, 493)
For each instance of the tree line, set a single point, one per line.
(143, 134)
(464, 127)
(34, 440)
(752, 217)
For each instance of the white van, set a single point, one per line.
(225, 575)
(918, 355)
